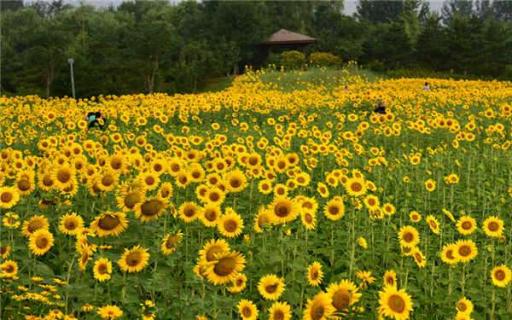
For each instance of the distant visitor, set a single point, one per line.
(380, 108)
(95, 119)
(426, 87)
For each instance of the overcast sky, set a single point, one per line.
(350, 5)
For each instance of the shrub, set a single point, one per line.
(324, 59)
(292, 59)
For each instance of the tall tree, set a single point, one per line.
(379, 11)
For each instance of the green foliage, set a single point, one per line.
(324, 59)
(292, 59)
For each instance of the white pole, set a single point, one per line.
(70, 61)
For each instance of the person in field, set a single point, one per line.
(95, 119)
(380, 108)
(426, 86)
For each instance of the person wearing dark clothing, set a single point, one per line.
(93, 120)
(381, 108)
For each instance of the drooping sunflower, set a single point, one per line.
(212, 248)
(9, 197)
(355, 187)
(280, 311)
(283, 210)
(394, 303)
(5, 251)
(230, 224)
(9, 270)
(409, 237)
(165, 191)
(129, 195)
(225, 267)
(465, 250)
(271, 287)
(464, 305)
(40, 242)
(170, 242)
(501, 276)
(247, 310)
(493, 227)
(102, 269)
(433, 224)
(71, 224)
(419, 257)
(308, 220)
(134, 259)
(335, 209)
(319, 308)
(110, 312)
(315, 274)
(33, 224)
(466, 225)
(150, 209)
(343, 295)
(109, 224)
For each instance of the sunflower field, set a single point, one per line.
(260, 203)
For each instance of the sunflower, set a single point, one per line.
(262, 219)
(322, 190)
(33, 224)
(430, 185)
(235, 181)
(355, 187)
(409, 237)
(271, 287)
(170, 242)
(466, 225)
(265, 186)
(166, 191)
(189, 211)
(394, 303)
(230, 224)
(225, 267)
(319, 308)
(433, 224)
(40, 242)
(71, 224)
(390, 278)
(334, 209)
(110, 312)
(501, 276)
(343, 295)
(448, 255)
(107, 180)
(415, 216)
(102, 269)
(283, 210)
(25, 182)
(366, 277)
(280, 311)
(150, 180)
(150, 209)
(418, 257)
(315, 274)
(109, 224)
(9, 197)
(308, 219)
(212, 248)
(5, 251)
(9, 270)
(493, 227)
(63, 176)
(210, 214)
(128, 199)
(11, 220)
(134, 259)
(238, 284)
(214, 196)
(464, 306)
(247, 310)
(465, 250)
(371, 202)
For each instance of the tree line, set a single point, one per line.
(148, 46)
